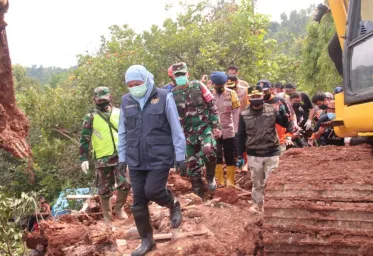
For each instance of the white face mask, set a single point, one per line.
(139, 90)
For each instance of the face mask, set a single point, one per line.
(102, 106)
(296, 105)
(219, 90)
(256, 102)
(331, 116)
(138, 91)
(181, 80)
(267, 96)
(323, 107)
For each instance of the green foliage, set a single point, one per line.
(207, 37)
(317, 71)
(10, 231)
(45, 75)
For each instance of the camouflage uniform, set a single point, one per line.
(107, 172)
(198, 117)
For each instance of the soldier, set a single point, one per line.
(228, 105)
(150, 140)
(200, 121)
(101, 128)
(258, 137)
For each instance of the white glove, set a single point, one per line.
(85, 167)
(308, 124)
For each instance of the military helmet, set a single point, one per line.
(101, 93)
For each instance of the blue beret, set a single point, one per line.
(218, 78)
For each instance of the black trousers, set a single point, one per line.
(150, 186)
(31, 223)
(226, 147)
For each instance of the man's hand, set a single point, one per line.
(122, 167)
(308, 124)
(289, 142)
(85, 167)
(240, 162)
(181, 165)
(321, 130)
(217, 133)
(204, 78)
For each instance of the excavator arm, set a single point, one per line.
(14, 125)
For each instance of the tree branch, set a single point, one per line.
(67, 136)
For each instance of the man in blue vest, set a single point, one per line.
(150, 141)
(101, 128)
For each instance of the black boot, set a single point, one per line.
(142, 220)
(175, 212)
(210, 175)
(197, 185)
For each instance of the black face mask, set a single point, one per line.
(103, 106)
(256, 102)
(323, 107)
(219, 90)
(296, 105)
(267, 96)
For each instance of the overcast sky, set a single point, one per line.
(53, 32)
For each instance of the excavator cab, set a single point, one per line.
(354, 107)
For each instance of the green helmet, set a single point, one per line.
(102, 93)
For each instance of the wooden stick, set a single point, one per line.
(244, 194)
(170, 236)
(241, 189)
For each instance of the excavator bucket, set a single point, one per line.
(14, 125)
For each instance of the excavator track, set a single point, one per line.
(320, 202)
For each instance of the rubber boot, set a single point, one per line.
(144, 227)
(106, 208)
(121, 200)
(210, 176)
(175, 212)
(197, 185)
(219, 174)
(231, 174)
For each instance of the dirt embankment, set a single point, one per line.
(14, 125)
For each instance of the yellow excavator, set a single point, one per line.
(354, 107)
(330, 212)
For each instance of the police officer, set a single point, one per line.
(228, 105)
(150, 138)
(101, 128)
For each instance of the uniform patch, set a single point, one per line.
(154, 100)
(131, 106)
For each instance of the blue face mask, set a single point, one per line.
(331, 116)
(181, 80)
(138, 91)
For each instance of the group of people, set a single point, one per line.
(193, 127)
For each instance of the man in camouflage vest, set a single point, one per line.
(200, 121)
(101, 128)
